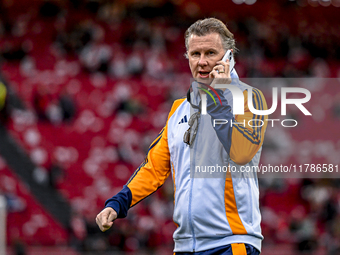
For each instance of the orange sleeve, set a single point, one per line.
(155, 169)
(248, 134)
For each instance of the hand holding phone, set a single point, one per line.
(229, 55)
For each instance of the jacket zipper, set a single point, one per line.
(190, 196)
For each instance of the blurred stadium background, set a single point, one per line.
(89, 85)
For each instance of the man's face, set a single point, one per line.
(203, 53)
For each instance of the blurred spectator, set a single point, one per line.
(54, 112)
(14, 203)
(41, 101)
(112, 12)
(319, 68)
(135, 64)
(336, 107)
(131, 106)
(19, 248)
(55, 174)
(304, 231)
(40, 176)
(74, 40)
(51, 107)
(96, 55)
(12, 52)
(95, 241)
(78, 231)
(118, 67)
(67, 106)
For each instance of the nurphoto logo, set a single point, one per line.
(238, 104)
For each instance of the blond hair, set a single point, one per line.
(207, 26)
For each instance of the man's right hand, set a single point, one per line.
(105, 218)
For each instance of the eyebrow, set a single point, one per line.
(198, 50)
(211, 49)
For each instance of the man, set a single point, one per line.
(218, 215)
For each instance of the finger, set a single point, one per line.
(107, 226)
(98, 221)
(220, 62)
(102, 220)
(103, 226)
(112, 216)
(213, 74)
(225, 65)
(219, 68)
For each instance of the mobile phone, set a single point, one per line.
(229, 55)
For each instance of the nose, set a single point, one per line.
(202, 60)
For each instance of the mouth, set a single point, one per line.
(203, 74)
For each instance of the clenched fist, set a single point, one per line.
(105, 218)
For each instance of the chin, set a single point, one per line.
(204, 80)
